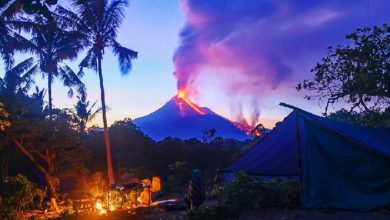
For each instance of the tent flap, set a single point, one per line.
(338, 173)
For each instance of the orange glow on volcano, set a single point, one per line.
(182, 96)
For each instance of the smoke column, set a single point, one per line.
(258, 47)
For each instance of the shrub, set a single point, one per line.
(245, 195)
(281, 193)
(242, 194)
(18, 193)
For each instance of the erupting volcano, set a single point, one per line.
(181, 118)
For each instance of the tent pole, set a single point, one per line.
(299, 156)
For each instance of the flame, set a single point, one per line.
(182, 95)
(99, 207)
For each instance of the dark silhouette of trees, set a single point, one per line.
(10, 11)
(53, 44)
(84, 112)
(51, 145)
(19, 79)
(358, 74)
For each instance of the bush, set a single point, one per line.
(246, 195)
(18, 193)
(281, 193)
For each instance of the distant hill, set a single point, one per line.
(183, 119)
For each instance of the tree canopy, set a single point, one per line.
(357, 73)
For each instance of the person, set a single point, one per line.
(196, 190)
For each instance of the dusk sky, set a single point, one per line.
(239, 58)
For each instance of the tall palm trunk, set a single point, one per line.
(49, 82)
(110, 171)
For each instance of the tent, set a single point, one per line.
(339, 165)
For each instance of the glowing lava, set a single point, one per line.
(182, 97)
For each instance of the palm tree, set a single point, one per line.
(99, 21)
(15, 84)
(8, 37)
(18, 80)
(83, 113)
(10, 40)
(53, 44)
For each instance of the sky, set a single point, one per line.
(239, 58)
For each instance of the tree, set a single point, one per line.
(18, 80)
(259, 131)
(9, 12)
(99, 22)
(358, 74)
(362, 117)
(53, 44)
(51, 145)
(84, 113)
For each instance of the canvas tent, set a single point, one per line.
(340, 165)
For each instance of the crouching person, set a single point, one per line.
(196, 190)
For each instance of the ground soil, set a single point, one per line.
(270, 214)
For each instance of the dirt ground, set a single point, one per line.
(271, 214)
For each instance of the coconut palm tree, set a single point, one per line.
(99, 21)
(19, 79)
(10, 40)
(53, 44)
(84, 112)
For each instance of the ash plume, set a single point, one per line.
(256, 47)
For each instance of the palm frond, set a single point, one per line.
(26, 46)
(70, 19)
(24, 24)
(125, 56)
(4, 4)
(19, 78)
(95, 113)
(70, 79)
(113, 17)
(89, 61)
(21, 67)
(10, 8)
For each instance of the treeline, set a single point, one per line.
(172, 159)
(56, 152)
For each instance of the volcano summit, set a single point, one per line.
(183, 119)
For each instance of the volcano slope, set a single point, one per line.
(183, 119)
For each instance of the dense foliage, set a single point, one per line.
(18, 192)
(245, 195)
(173, 159)
(357, 74)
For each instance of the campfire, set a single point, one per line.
(127, 196)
